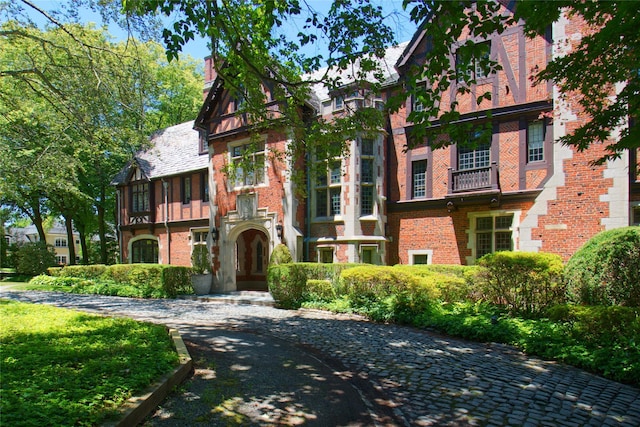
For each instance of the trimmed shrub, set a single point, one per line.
(54, 271)
(151, 279)
(83, 271)
(280, 255)
(34, 258)
(606, 269)
(287, 284)
(176, 281)
(523, 282)
(388, 294)
(455, 282)
(319, 290)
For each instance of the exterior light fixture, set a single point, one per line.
(215, 233)
(279, 231)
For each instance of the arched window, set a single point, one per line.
(145, 250)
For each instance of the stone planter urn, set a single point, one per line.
(201, 283)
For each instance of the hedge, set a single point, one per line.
(525, 283)
(606, 269)
(140, 280)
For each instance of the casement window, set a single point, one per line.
(474, 158)
(239, 99)
(635, 215)
(419, 179)
(328, 190)
(535, 141)
(369, 254)
(186, 190)
(61, 242)
(492, 233)
(367, 176)
(325, 255)
(471, 65)
(199, 236)
(61, 259)
(144, 250)
(140, 197)
(338, 102)
(248, 164)
(204, 187)
(259, 257)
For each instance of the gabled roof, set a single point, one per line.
(172, 151)
(387, 64)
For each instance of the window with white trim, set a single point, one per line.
(61, 242)
(369, 254)
(535, 141)
(367, 176)
(635, 215)
(328, 190)
(325, 255)
(419, 179)
(492, 233)
(474, 158)
(248, 162)
(61, 259)
(470, 61)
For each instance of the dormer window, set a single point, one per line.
(338, 102)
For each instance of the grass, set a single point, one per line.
(67, 368)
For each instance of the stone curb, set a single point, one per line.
(138, 407)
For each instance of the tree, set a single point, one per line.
(245, 37)
(74, 107)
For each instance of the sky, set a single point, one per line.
(397, 19)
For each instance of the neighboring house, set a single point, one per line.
(381, 204)
(163, 199)
(56, 236)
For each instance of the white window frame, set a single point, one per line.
(241, 178)
(371, 185)
(323, 249)
(331, 185)
(61, 242)
(422, 252)
(539, 149)
(472, 232)
(375, 257)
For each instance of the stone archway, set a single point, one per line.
(251, 260)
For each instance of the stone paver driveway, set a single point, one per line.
(427, 379)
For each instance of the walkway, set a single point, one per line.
(423, 378)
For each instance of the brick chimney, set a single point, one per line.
(210, 75)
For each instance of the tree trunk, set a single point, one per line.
(102, 229)
(70, 239)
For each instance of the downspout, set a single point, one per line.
(307, 255)
(119, 222)
(165, 185)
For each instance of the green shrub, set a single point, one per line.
(606, 270)
(83, 271)
(455, 282)
(280, 255)
(287, 284)
(319, 290)
(151, 279)
(176, 280)
(523, 282)
(388, 293)
(54, 271)
(200, 259)
(34, 258)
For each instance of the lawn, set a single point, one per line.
(67, 368)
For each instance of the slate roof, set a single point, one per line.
(388, 63)
(172, 151)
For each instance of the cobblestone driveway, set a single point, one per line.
(428, 379)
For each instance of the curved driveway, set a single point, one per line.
(420, 377)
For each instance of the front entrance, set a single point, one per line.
(251, 260)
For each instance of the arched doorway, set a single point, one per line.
(251, 260)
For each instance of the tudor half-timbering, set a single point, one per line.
(516, 191)
(382, 203)
(163, 199)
